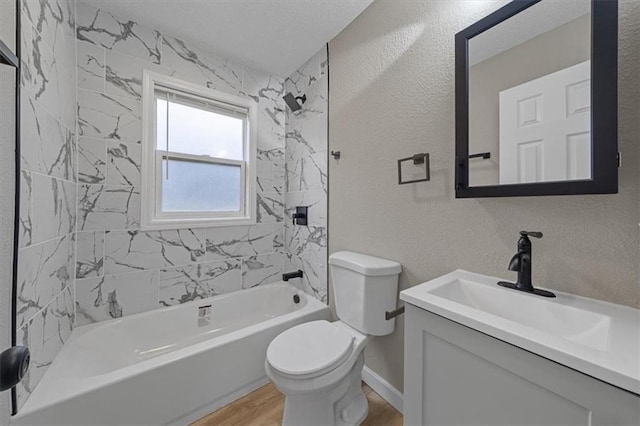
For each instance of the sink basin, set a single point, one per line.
(598, 338)
(578, 325)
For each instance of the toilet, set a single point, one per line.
(318, 365)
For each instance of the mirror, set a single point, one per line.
(536, 100)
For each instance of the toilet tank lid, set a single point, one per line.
(365, 264)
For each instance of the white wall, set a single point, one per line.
(392, 95)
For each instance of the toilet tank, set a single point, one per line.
(364, 287)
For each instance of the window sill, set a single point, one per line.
(168, 224)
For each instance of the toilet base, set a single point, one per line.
(344, 404)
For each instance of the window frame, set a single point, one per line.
(152, 217)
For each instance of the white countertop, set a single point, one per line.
(597, 338)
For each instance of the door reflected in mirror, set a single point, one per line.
(529, 82)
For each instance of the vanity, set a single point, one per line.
(480, 354)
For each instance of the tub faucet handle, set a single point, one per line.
(300, 216)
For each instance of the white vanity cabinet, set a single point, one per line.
(455, 375)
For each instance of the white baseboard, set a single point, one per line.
(383, 388)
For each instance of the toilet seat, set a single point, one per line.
(310, 349)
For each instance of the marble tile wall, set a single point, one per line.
(306, 175)
(45, 312)
(120, 269)
(80, 176)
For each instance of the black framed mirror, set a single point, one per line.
(536, 100)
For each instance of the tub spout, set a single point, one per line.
(287, 276)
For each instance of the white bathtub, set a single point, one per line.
(167, 366)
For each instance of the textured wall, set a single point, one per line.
(48, 184)
(7, 189)
(392, 95)
(120, 269)
(306, 175)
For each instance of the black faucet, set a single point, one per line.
(521, 263)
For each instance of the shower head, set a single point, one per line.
(292, 102)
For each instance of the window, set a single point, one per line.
(199, 156)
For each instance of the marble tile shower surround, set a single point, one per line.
(44, 302)
(120, 269)
(80, 195)
(306, 175)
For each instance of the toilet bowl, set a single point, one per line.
(318, 365)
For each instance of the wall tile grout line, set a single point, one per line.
(53, 299)
(47, 176)
(60, 237)
(42, 37)
(44, 108)
(183, 265)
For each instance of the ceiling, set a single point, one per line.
(276, 36)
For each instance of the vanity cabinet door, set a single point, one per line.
(457, 376)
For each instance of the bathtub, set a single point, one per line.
(168, 366)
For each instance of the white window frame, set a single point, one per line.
(152, 217)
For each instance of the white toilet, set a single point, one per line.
(318, 365)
